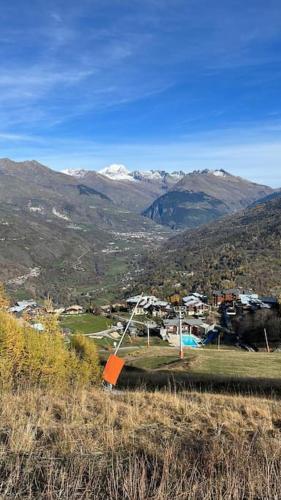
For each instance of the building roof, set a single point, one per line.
(147, 301)
(192, 301)
(196, 322)
(171, 322)
(234, 291)
(74, 308)
(189, 322)
(22, 305)
(269, 300)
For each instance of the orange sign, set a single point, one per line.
(113, 369)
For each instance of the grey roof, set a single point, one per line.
(270, 300)
(147, 301)
(236, 291)
(190, 322)
(195, 322)
(22, 305)
(171, 322)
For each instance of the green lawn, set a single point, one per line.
(238, 363)
(232, 363)
(152, 363)
(85, 323)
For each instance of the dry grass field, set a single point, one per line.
(139, 446)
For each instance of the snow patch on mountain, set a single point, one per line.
(60, 215)
(216, 173)
(178, 175)
(219, 173)
(75, 173)
(39, 210)
(117, 172)
(147, 175)
(156, 175)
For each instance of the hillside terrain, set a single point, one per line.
(239, 250)
(81, 234)
(59, 235)
(203, 196)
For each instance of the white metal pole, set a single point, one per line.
(266, 340)
(128, 324)
(181, 346)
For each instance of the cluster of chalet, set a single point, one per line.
(194, 304)
(195, 328)
(31, 308)
(148, 304)
(248, 299)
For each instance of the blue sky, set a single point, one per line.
(170, 84)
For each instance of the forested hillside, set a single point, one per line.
(238, 250)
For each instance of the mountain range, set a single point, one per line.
(176, 199)
(134, 191)
(79, 232)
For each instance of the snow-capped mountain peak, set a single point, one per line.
(117, 172)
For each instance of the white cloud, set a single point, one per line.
(18, 138)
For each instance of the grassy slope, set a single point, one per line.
(139, 445)
(228, 363)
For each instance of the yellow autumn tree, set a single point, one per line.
(47, 360)
(50, 324)
(4, 301)
(87, 360)
(11, 348)
(48, 304)
(29, 357)
(44, 358)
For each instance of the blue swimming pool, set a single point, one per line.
(190, 341)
